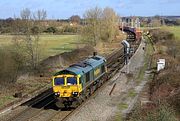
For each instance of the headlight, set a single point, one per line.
(75, 94)
(57, 93)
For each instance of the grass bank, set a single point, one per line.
(147, 57)
(163, 89)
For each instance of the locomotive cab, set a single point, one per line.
(67, 85)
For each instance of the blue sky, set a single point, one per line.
(65, 8)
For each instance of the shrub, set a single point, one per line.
(35, 30)
(51, 30)
(8, 67)
(160, 113)
(70, 29)
(11, 62)
(162, 36)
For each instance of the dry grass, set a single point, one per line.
(151, 113)
(5, 39)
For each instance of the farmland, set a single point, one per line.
(175, 30)
(51, 44)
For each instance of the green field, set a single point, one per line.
(55, 44)
(173, 29)
(51, 44)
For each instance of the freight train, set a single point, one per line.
(74, 84)
(134, 34)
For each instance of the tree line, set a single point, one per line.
(46, 26)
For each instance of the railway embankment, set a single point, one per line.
(162, 93)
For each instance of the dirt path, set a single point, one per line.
(103, 107)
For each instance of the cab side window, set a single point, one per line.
(80, 80)
(103, 68)
(87, 76)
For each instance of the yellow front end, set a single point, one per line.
(67, 86)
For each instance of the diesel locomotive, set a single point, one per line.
(74, 84)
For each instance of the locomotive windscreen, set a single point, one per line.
(59, 81)
(71, 81)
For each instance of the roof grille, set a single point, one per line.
(96, 58)
(81, 64)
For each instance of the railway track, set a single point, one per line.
(113, 67)
(115, 62)
(43, 108)
(34, 106)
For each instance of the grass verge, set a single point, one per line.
(123, 106)
(147, 58)
(6, 99)
(132, 93)
(118, 117)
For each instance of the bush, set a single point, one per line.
(11, 62)
(161, 36)
(51, 30)
(35, 30)
(70, 29)
(160, 113)
(8, 67)
(167, 39)
(163, 113)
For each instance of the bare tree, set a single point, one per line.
(40, 15)
(92, 28)
(100, 25)
(31, 24)
(109, 24)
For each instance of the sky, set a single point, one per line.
(62, 9)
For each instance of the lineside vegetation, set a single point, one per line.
(164, 87)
